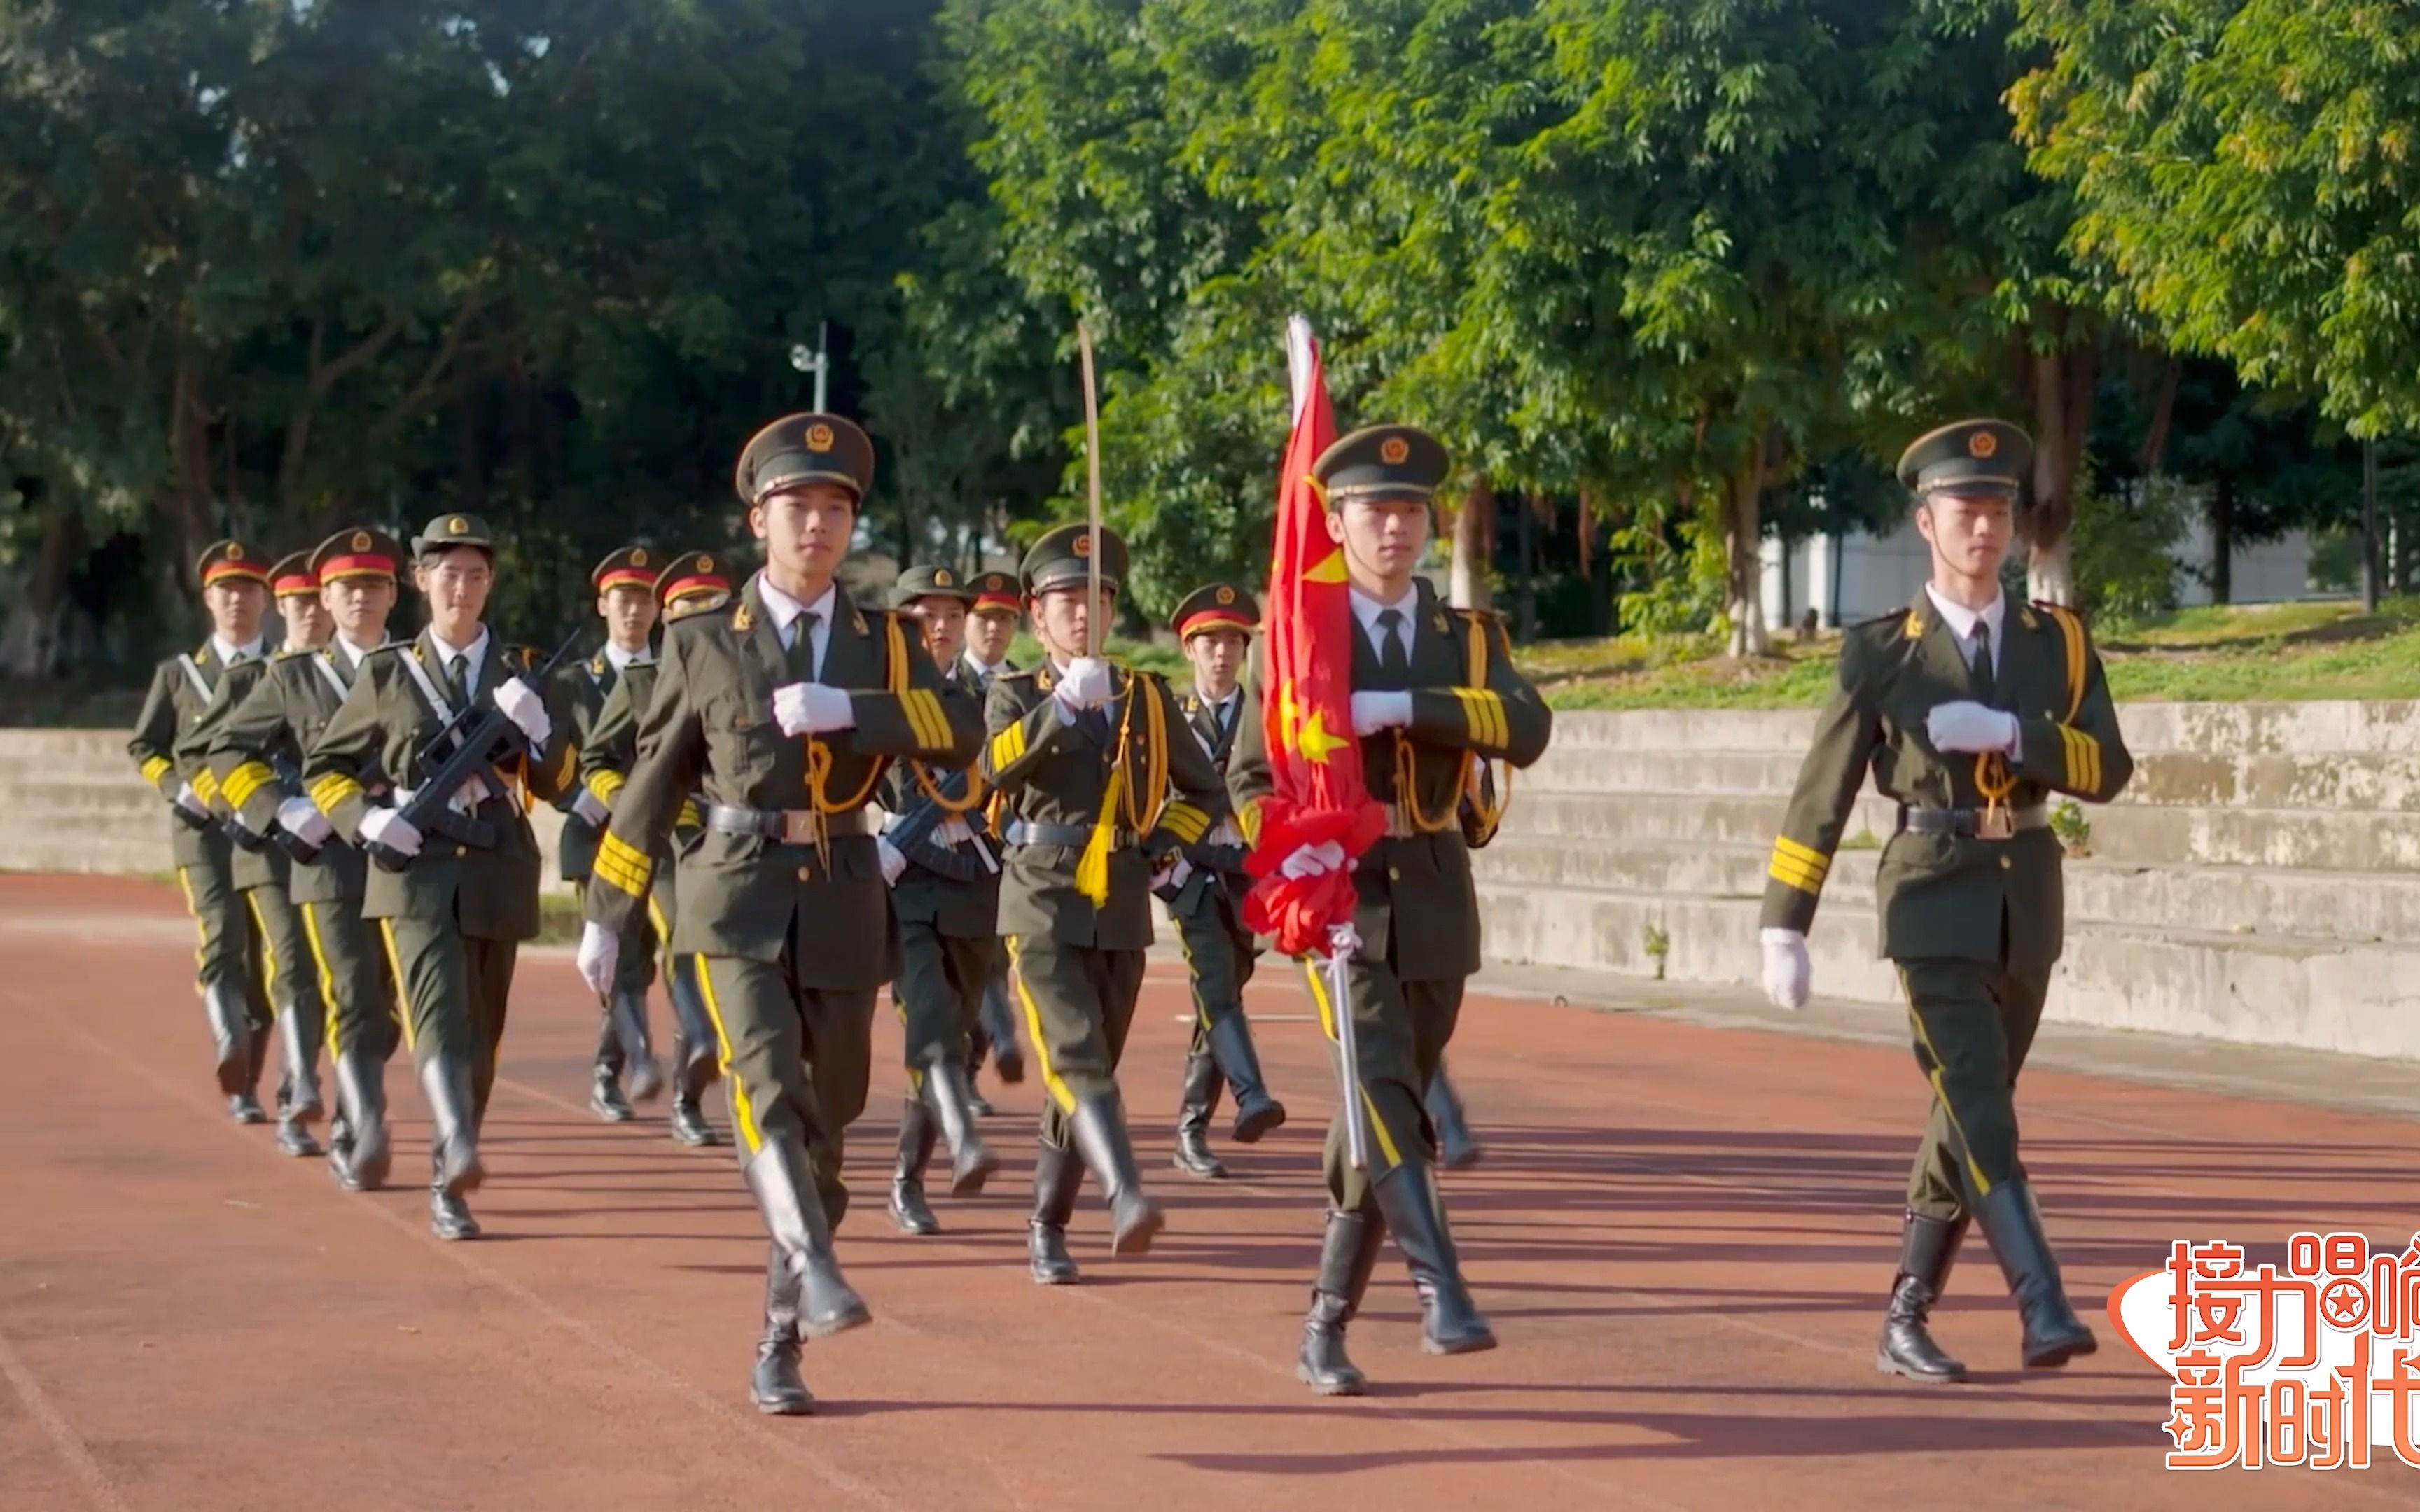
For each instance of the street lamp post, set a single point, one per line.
(817, 361)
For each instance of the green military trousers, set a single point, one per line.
(797, 1061)
(290, 970)
(1973, 1021)
(229, 954)
(1400, 1030)
(1078, 1003)
(353, 979)
(455, 989)
(1218, 958)
(939, 994)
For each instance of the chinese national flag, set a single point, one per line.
(1307, 692)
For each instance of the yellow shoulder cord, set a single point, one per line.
(1092, 867)
(820, 756)
(976, 793)
(1491, 813)
(1992, 778)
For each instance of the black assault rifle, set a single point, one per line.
(471, 744)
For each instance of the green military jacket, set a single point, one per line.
(267, 735)
(1052, 772)
(610, 753)
(584, 689)
(949, 887)
(709, 730)
(163, 748)
(378, 733)
(1217, 860)
(1417, 907)
(267, 865)
(1946, 896)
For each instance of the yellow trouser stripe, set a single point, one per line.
(743, 1112)
(201, 931)
(327, 977)
(402, 989)
(155, 768)
(1982, 1187)
(332, 790)
(663, 937)
(267, 952)
(1058, 1091)
(1327, 1025)
(604, 783)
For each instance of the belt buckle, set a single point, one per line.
(802, 827)
(1996, 821)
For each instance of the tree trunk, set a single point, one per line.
(2222, 540)
(1527, 514)
(1742, 535)
(1474, 546)
(31, 639)
(2062, 383)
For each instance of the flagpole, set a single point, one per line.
(1092, 633)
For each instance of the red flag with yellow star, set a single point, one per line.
(1307, 692)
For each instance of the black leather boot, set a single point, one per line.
(784, 1184)
(1457, 1147)
(1256, 1111)
(999, 1028)
(694, 1072)
(300, 1039)
(628, 1012)
(1346, 1254)
(1926, 1249)
(244, 1106)
(1451, 1323)
(446, 1081)
(1057, 1173)
(2052, 1334)
(952, 1097)
(908, 1209)
(1100, 1136)
(1200, 1100)
(230, 1036)
(362, 1162)
(775, 1385)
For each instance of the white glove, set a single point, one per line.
(524, 707)
(1312, 860)
(953, 832)
(1970, 726)
(192, 802)
(812, 709)
(1085, 686)
(1373, 712)
(1171, 875)
(392, 830)
(303, 818)
(587, 807)
(600, 950)
(894, 860)
(1789, 975)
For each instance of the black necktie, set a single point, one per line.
(458, 668)
(1394, 659)
(802, 645)
(1985, 680)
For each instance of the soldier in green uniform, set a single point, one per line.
(1205, 888)
(690, 583)
(235, 590)
(1102, 783)
(454, 918)
(784, 711)
(992, 624)
(262, 871)
(944, 879)
(270, 735)
(1970, 712)
(1435, 694)
(626, 601)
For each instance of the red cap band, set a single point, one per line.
(626, 578)
(367, 565)
(1210, 619)
(703, 584)
(221, 571)
(292, 584)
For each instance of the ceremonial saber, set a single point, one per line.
(1094, 637)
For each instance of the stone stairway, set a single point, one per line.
(2258, 882)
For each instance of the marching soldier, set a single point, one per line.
(1435, 692)
(991, 627)
(1970, 712)
(235, 590)
(944, 881)
(626, 601)
(691, 583)
(453, 919)
(1204, 892)
(271, 733)
(1457, 1147)
(1085, 755)
(262, 871)
(784, 711)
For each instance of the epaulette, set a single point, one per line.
(1018, 674)
(389, 646)
(288, 653)
(597, 664)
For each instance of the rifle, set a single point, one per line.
(482, 736)
(927, 816)
(289, 783)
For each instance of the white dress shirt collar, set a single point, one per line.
(1962, 621)
(353, 654)
(1367, 610)
(622, 659)
(785, 611)
(228, 650)
(474, 656)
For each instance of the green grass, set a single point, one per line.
(2285, 652)
(558, 917)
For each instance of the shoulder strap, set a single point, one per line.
(429, 689)
(2071, 630)
(194, 675)
(334, 679)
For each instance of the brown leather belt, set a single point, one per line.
(1978, 824)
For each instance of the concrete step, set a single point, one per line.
(2314, 995)
(2131, 834)
(2344, 728)
(2332, 905)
